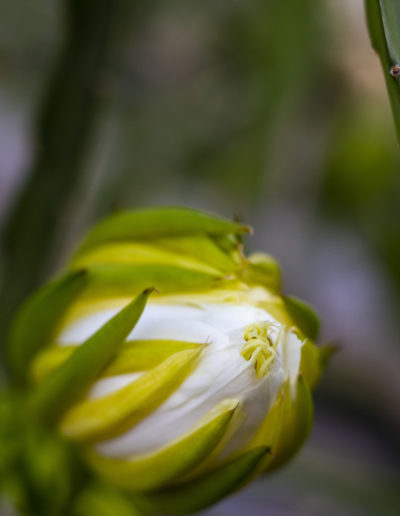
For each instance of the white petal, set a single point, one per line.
(222, 372)
(291, 357)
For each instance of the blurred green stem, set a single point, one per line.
(65, 126)
(383, 17)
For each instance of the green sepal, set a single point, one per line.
(286, 425)
(66, 384)
(314, 360)
(326, 352)
(303, 316)
(152, 223)
(38, 317)
(113, 414)
(262, 269)
(100, 500)
(152, 471)
(201, 247)
(50, 470)
(29, 457)
(310, 365)
(207, 489)
(11, 418)
(127, 280)
(296, 423)
(132, 356)
(231, 245)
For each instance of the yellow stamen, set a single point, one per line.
(259, 347)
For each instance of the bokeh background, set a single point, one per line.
(273, 111)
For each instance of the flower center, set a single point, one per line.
(260, 347)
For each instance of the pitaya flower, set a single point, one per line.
(184, 394)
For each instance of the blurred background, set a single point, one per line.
(273, 111)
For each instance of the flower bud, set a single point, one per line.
(177, 396)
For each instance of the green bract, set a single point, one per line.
(162, 371)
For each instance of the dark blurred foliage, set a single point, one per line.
(272, 111)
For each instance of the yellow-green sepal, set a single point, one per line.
(36, 321)
(206, 489)
(303, 316)
(111, 415)
(132, 356)
(268, 432)
(152, 223)
(66, 384)
(262, 269)
(204, 248)
(48, 360)
(168, 464)
(296, 422)
(142, 355)
(146, 253)
(118, 280)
